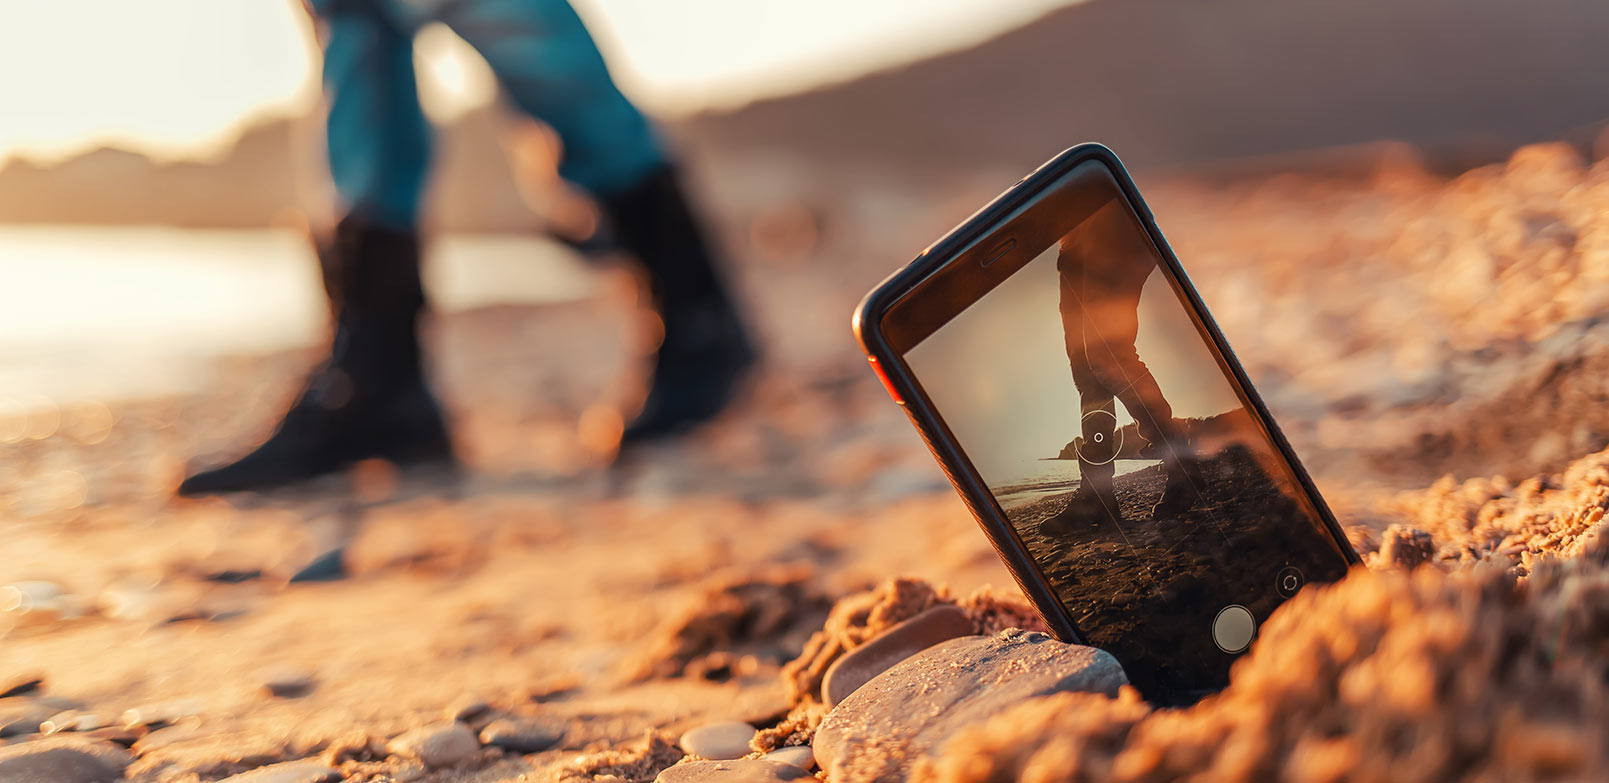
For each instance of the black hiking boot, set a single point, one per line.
(369, 398)
(1088, 508)
(1181, 492)
(706, 350)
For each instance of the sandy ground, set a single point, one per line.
(1402, 326)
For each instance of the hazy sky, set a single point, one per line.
(178, 78)
(1000, 378)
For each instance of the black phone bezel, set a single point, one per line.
(980, 231)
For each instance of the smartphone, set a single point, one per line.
(1068, 378)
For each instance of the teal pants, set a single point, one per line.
(543, 57)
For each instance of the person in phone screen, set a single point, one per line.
(1103, 266)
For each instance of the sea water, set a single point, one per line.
(123, 312)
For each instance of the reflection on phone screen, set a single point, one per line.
(1088, 398)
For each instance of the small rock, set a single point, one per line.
(72, 720)
(724, 740)
(523, 735)
(25, 716)
(20, 684)
(118, 735)
(39, 603)
(134, 604)
(328, 567)
(356, 746)
(409, 771)
(155, 716)
(233, 576)
(858, 666)
(214, 751)
(62, 760)
(304, 771)
(437, 745)
(801, 756)
(186, 730)
(1406, 547)
(22, 596)
(289, 683)
(739, 771)
(467, 709)
(909, 711)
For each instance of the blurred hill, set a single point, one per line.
(1170, 84)
(1179, 83)
(274, 172)
(252, 182)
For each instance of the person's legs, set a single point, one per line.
(1114, 358)
(1119, 365)
(1109, 305)
(1096, 463)
(547, 62)
(369, 398)
(1097, 450)
(1109, 301)
(376, 133)
(550, 68)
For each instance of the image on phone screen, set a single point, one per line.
(1089, 399)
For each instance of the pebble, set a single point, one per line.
(155, 716)
(20, 684)
(117, 734)
(409, 771)
(858, 666)
(39, 603)
(739, 771)
(909, 711)
(801, 756)
(62, 760)
(23, 596)
(304, 771)
(186, 730)
(289, 683)
(25, 716)
(233, 576)
(523, 735)
(723, 740)
(132, 604)
(467, 709)
(328, 567)
(437, 745)
(72, 720)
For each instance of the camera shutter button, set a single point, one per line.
(1233, 628)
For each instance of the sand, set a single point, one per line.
(1403, 327)
(1384, 677)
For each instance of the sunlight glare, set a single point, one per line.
(453, 79)
(172, 78)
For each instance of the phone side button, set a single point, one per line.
(887, 384)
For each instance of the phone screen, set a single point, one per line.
(1087, 395)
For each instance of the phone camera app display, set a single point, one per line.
(1130, 466)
